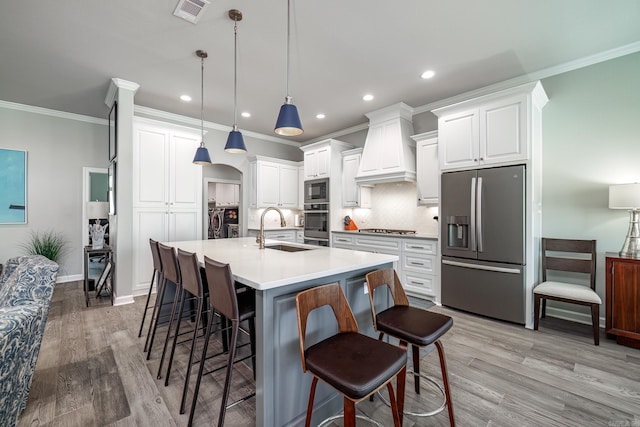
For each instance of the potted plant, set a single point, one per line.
(48, 243)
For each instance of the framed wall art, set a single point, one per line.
(113, 127)
(112, 188)
(13, 190)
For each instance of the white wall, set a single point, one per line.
(57, 149)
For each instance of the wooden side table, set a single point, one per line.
(103, 282)
(623, 299)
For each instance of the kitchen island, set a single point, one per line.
(282, 389)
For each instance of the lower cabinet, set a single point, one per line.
(623, 299)
(282, 235)
(418, 264)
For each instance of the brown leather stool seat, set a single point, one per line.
(353, 364)
(413, 325)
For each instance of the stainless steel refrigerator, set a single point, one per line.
(483, 241)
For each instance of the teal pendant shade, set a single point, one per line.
(202, 156)
(288, 123)
(235, 143)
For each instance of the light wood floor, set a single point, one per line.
(92, 372)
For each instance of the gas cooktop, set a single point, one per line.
(386, 231)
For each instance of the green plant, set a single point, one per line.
(48, 243)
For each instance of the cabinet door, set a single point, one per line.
(458, 137)
(350, 196)
(323, 156)
(310, 165)
(288, 182)
(301, 187)
(226, 194)
(268, 184)
(150, 174)
(147, 224)
(503, 136)
(184, 225)
(185, 178)
(427, 171)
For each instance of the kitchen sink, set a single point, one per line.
(287, 248)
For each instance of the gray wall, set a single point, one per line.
(57, 149)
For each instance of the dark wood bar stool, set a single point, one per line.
(352, 363)
(235, 307)
(171, 272)
(414, 327)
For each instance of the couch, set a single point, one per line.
(26, 288)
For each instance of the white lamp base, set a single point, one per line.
(631, 246)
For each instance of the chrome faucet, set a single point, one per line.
(260, 237)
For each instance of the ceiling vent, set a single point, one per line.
(191, 10)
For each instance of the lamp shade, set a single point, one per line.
(235, 143)
(288, 123)
(97, 210)
(202, 156)
(624, 196)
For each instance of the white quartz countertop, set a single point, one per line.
(270, 268)
(409, 236)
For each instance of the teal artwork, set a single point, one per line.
(13, 186)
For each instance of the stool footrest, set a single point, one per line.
(430, 380)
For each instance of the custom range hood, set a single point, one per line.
(389, 154)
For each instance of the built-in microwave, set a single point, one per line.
(316, 191)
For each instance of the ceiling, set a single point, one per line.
(62, 54)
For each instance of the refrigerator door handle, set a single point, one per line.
(482, 267)
(479, 214)
(472, 230)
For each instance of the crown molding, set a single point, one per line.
(116, 84)
(190, 121)
(54, 113)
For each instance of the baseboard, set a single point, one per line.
(122, 300)
(72, 278)
(572, 316)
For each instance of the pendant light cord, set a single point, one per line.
(202, 101)
(288, 43)
(235, 74)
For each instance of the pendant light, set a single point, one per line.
(288, 123)
(202, 154)
(235, 141)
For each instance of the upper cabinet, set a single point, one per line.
(427, 168)
(224, 194)
(490, 130)
(319, 156)
(353, 195)
(164, 175)
(273, 183)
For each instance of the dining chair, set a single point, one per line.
(578, 259)
(414, 327)
(352, 363)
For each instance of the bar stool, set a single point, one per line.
(171, 273)
(157, 281)
(352, 363)
(191, 281)
(412, 326)
(236, 308)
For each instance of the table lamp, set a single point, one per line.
(97, 210)
(627, 196)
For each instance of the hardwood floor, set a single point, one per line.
(92, 372)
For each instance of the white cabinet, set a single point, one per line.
(301, 186)
(427, 168)
(225, 194)
(418, 265)
(167, 191)
(299, 236)
(353, 195)
(273, 182)
(286, 235)
(490, 130)
(317, 163)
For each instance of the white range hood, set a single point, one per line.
(389, 154)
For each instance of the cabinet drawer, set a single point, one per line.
(418, 283)
(342, 239)
(382, 245)
(429, 247)
(288, 235)
(423, 264)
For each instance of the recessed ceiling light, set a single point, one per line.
(320, 116)
(428, 74)
(245, 114)
(367, 97)
(185, 98)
